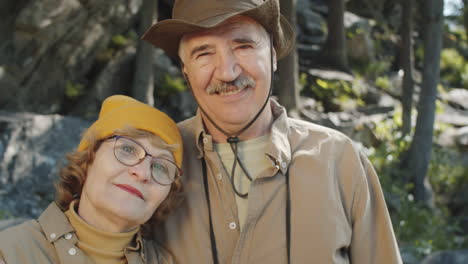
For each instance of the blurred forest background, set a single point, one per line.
(393, 75)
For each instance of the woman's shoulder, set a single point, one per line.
(24, 243)
(28, 230)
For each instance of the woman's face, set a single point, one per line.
(117, 197)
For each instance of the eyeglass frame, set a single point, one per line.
(179, 171)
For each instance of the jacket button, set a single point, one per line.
(72, 251)
(53, 235)
(232, 225)
(68, 236)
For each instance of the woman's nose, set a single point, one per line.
(142, 170)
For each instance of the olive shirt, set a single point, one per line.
(52, 239)
(338, 212)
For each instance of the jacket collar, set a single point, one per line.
(279, 151)
(54, 223)
(56, 226)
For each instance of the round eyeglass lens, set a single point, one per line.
(163, 171)
(128, 152)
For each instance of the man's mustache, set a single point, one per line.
(241, 82)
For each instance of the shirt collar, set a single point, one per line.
(279, 151)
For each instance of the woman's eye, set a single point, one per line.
(127, 149)
(158, 167)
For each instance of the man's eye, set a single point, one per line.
(244, 47)
(203, 54)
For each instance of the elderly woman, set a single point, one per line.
(124, 174)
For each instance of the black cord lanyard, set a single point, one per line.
(214, 250)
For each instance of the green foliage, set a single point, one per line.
(117, 43)
(334, 95)
(74, 90)
(171, 85)
(419, 230)
(464, 76)
(374, 69)
(353, 32)
(5, 215)
(384, 83)
(453, 68)
(120, 40)
(106, 55)
(422, 231)
(418, 55)
(446, 182)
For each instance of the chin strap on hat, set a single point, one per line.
(233, 139)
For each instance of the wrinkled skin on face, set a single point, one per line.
(229, 70)
(118, 198)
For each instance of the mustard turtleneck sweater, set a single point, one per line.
(101, 246)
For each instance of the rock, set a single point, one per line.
(360, 46)
(462, 137)
(447, 137)
(457, 98)
(116, 77)
(52, 42)
(356, 125)
(407, 256)
(32, 147)
(178, 106)
(313, 28)
(163, 66)
(331, 74)
(453, 116)
(447, 257)
(380, 10)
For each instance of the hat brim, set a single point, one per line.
(167, 34)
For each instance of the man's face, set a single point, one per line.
(237, 51)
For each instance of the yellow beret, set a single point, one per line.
(119, 111)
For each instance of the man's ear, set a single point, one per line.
(182, 66)
(184, 74)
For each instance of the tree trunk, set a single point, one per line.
(288, 67)
(421, 146)
(143, 82)
(407, 64)
(336, 40)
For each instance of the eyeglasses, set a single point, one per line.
(130, 153)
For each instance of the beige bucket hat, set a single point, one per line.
(193, 15)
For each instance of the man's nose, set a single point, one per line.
(142, 170)
(228, 68)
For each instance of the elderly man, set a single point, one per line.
(262, 187)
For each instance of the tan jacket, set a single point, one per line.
(338, 212)
(51, 239)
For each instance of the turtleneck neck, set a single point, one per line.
(101, 246)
